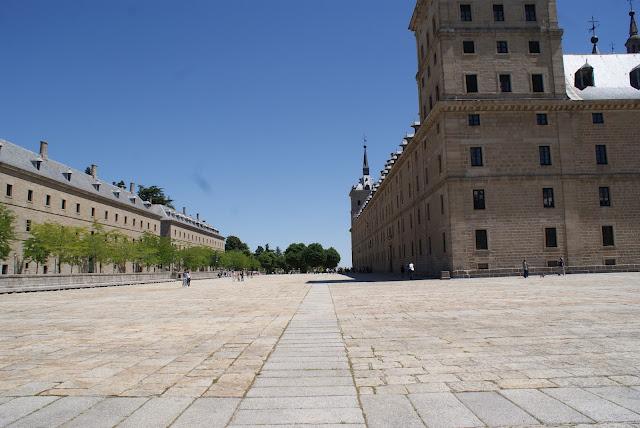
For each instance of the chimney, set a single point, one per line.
(44, 150)
(132, 188)
(94, 171)
(184, 210)
(198, 216)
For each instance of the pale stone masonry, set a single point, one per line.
(521, 152)
(39, 190)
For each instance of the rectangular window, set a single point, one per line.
(474, 120)
(126, 219)
(481, 240)
(472, 83)
(502, 47)
(530, 12)
(428, 212)
(534, 47)
(597, 118)
(29, 195)
(607, 236)
(93, 212)
(117, 216)
(537, 83)
(444, 242)
(542, 119)
(601, 154)
(430, 247)
(605, 197)
(77, 208)
(545, 155)
(465, 13)
(469, 47)
(551, 237)
(106, 215)
(547, 198)
(505, 83)
(440, 163)
(47, 200)
(610, 262)
(498, 13)
(9, 190)
(63, 204)
(478, 200)
(476, 156)
(441, 204)
(28, 226)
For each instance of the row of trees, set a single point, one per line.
(98, 250)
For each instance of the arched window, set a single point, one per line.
(584, 77)
(634, 77)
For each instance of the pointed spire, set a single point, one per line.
(594, 37)
(633, 43)
(365, 163)
(633, 27)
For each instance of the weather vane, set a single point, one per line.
(364, 140)
(631, 4)
(595, 25)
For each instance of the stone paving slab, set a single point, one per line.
(57, 413)
(207, 412)
(107, 413)
(19, 407)
(157, 412)
(595, 407)
(390, 411)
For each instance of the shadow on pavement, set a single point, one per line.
(364, 277)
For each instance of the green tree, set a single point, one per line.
(259, 251)
(332, 258)
(34, 250)
(233, 243)
(314, 256)
(268, 261)
(294, 257)
(94, 249)
(155, 195)
(146, 250)
(7, 232)
(119, 250)
(167, 252)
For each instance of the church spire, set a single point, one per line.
(365, 163)
(633, 43)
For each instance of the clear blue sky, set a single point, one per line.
(249, 112)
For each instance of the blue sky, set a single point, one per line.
(249, 112)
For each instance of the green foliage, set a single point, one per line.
(155, 195)
(259, 251)
(7, 232)
(269, 261)
(332, 258)
(314, 256)
(294, 257)
(238, 260)
(233, 243)
(35, 251)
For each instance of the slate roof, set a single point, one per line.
(26, 160)
(168, 213)
(611, 76)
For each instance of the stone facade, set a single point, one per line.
(515, 170)
(40, 190)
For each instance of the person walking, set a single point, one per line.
(188, 279)
(184, 278)
(411, 270)
(525, 269)
(561, 264)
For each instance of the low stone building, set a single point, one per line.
(40, 190)
(187, 231)
(521, 153)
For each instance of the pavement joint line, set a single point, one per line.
(353, 376)
(567, 404)
(273, 348)
(515, 404)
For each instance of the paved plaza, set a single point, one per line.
(325, 350)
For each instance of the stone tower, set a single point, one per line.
(633, 43)
(474, 49)
(362, 190)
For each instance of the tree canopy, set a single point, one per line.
(233, 243)
(155, 195)
(7, 232)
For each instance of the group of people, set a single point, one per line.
(186, 278)
(561, 265)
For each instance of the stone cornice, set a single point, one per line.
(515, 105)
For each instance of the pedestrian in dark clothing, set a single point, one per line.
(525, 269)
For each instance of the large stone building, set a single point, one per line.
(521, 152)
(40, 190)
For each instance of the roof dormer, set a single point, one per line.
(584, 77)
